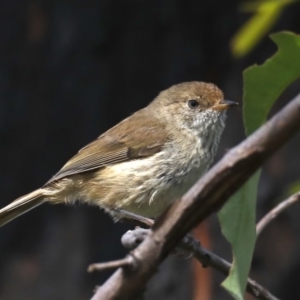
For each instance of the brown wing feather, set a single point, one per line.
(136, 137)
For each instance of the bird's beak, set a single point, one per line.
(224, 104)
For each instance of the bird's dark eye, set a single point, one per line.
(193, 104)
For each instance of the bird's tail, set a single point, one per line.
(21, 206)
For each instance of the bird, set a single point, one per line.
(145, 162)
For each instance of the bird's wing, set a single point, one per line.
(136, 137)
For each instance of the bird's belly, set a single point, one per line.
(165, 191)
(154, 190)
(145, 187)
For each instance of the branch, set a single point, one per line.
(272, 214)
(132, 238)
(187, 247)
(205, 197)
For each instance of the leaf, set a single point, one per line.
(262, 87)
(238, 211)
(264, 84)
(265, 16)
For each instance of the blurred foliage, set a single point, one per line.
(294, 188)
(262, 87)
(266, 13)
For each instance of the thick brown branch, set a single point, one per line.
(272, 214)
(204, 198)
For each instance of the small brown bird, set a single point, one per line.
(146, 161)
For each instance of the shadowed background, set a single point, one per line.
(70, 70)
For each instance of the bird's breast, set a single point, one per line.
(147, 186)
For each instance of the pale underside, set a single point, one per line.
(143, 179)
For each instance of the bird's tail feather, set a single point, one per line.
(21, 206)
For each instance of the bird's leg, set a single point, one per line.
(133, 218)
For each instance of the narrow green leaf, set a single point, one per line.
(254, 30)
(262, 87)
(235, 214)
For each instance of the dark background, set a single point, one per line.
(69, 70)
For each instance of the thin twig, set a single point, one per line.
(276, 211)
(205, 197)
(208, 258)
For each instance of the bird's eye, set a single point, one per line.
(193, 104)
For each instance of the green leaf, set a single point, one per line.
(237, 218)
(262, 87)
(264, 84)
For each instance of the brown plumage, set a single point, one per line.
(136, 137)
(136, 164)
